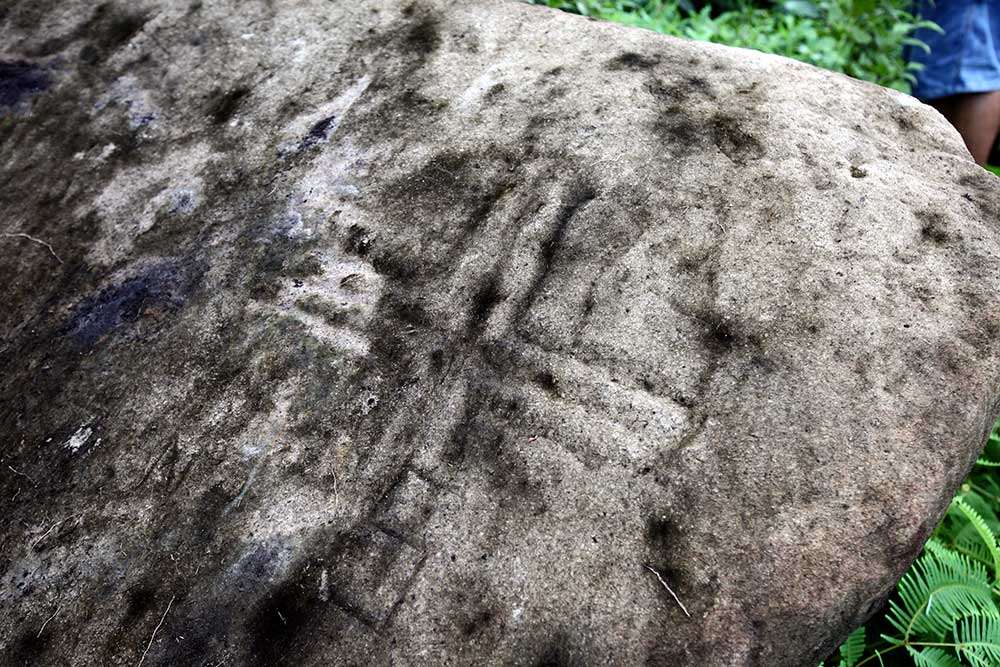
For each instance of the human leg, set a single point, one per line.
(976, 116)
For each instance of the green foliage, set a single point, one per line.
(861, 38)
(945, 610)
(995, 170)
(852, 649)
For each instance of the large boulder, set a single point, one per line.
(453, 333)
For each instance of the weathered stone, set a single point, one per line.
(436, 333)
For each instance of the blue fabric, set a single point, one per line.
(966, 58)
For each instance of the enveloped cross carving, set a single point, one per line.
(468, 333)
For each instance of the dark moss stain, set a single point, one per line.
(206, 632)
(547, 381)
(422, 37)
(661, 531)
(468, 426)
(109, 28)
(763, 364)
(28, 649)
(358, 241)
(632, 61)
(734, 141)
(331, 313)
(139, 601)
(439, 184)
(486, 298)
(417, 103)
(579, 196)
(666, 552)
(683, 400)
(555, 93)
(905, 121)
(480, 441)
(224, 105)
(20, 79)
(398, 55)
(397, 262)
(533, 131)
(120, 27)
(89, 55)
(478, 622)
(276, 627)
(933, 227)
(448, 198)
(678, 131)
(437, 360)
(720, 335)
(670, 96)
(210, 504)
(672, 124)
(133, 306)
(557, 651)
(685, 133)
(494, 93)
(590, 302)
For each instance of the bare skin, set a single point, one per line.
(977, 118)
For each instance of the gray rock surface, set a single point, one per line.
(438, 333)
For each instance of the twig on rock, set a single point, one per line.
(53, 527)
(674, 595)
(45, 534)
(40, 631)
(21, 474)
(32, 238)
(155, 630)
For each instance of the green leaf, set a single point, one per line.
(985, 534)
(939, 588)
(978, 639)
(913, 41)
(933, 656)
(860, 36)
(801, 8)
(853, 648)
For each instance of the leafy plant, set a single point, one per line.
(861, 38)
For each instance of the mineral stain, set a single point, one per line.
(20, 79)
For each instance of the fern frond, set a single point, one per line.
(982, 505)
(936, 548)
(986, 486)
(939, 588)
(978, 639)
(970, 545)
(933, 656)
(991, 452)
(853, 648)
(988, 537)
